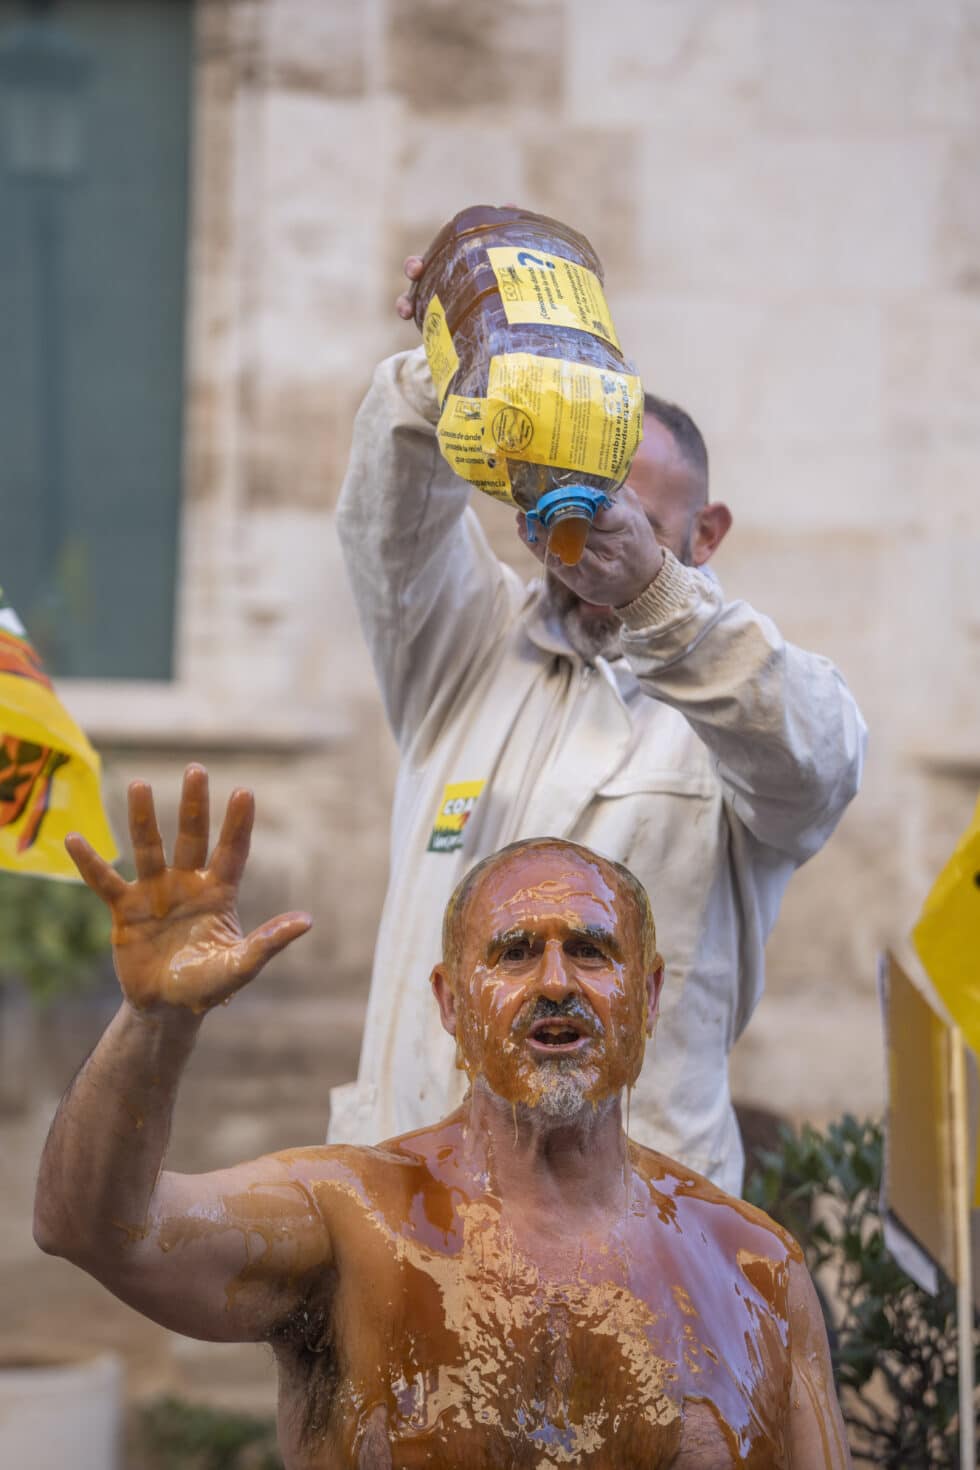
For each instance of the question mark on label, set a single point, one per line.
(524, 257)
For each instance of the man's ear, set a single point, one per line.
(655, 982)
(711, 525)
(445, 996)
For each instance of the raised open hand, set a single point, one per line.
(176, 936)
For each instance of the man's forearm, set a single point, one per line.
(418, 565)
(783, 727)
(106, 1146)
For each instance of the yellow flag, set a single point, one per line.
(49, 773)
(947, 935)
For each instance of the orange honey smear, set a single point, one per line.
(567, 539)
(470, 1334)
(454, 1301)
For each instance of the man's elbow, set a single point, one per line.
(49, 1233)
(56, 1234)
(347, 515)
(830, 777)
(842, 780)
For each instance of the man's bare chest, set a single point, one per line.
(480, 1357)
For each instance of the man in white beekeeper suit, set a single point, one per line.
(621, 703)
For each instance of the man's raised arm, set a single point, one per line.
(430, 593)
(784, 729)
(222, 1256)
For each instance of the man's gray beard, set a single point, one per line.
(562, 1100)
(592, 636)
(564, 1097)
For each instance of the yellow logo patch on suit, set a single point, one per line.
(455, 808)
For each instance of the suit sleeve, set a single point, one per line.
(431, 595)
(787, 737)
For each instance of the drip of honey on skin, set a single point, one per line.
(567, 539)
(436, 1321)
(542, 885)
(467, 1336)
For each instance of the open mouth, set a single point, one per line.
(557, 1035)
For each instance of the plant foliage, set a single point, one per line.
(54, 937)
(894, 1347)
(177, 1435)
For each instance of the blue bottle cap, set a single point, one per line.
(577, 500)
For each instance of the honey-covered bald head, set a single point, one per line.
(550, 976)
(454, 919)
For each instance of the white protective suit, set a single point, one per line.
(712, 759)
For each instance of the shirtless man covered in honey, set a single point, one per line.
(517, 1286)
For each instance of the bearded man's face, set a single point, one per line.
(552, 998)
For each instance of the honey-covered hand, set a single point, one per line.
(176, 937)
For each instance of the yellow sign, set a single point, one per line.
(460, 434)
(947, 935)
(49, 773)
(455, 810)
(439, 349)
(551, 411)
(919, 1141)
(535, 287)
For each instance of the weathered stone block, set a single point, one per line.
(583, 176)
(858, 64)
(812, 1060)
(439, 169)
(443, 56)
(672, 63)
(318, 264)
(317, 48)
(816, 375)
(930, 604)
(932, 376)
(811, 486)
(698, 350)
(958, 234)
(823, 590)
(299, 441)
(790, 213)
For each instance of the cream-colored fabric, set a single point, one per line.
(712, 759)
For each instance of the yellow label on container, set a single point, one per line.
(460, 434)
(455, 809)
(439, 348)
(550, 411)
(551, 290)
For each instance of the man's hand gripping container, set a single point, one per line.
(538, 406)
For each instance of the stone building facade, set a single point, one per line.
(784, 198)
(784, 194)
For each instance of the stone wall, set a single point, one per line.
(784, 194)
(784, 197)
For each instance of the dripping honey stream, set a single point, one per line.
(567, 539)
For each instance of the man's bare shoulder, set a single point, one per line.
(675, 1191)
(377, 1166)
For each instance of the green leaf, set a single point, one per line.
(893, 1346)
(54, 937)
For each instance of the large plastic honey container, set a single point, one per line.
(539, 407)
